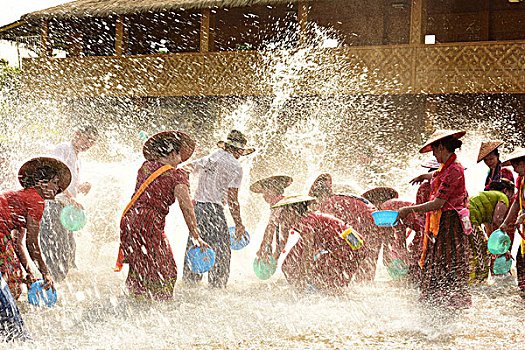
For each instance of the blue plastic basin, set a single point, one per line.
(385, 218)
(238, 244)
(37, 295)
(200, 262)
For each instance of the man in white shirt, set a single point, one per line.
(58, 244)
(220, 176)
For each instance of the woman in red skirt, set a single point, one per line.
(143, 242)
(21, 212)
(444, 260)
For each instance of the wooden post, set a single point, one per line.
(121, 36)
(46, 46)
(485, 21)
(207, 42)
(302, 19)
(417, 21)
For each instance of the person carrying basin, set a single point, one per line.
(488, 208)
(143, 242)
(20, 212)
(444, 260)
(517, 209)
(272, 189)
(489, 154)
(58, 243)
(356, 212)
(220, 177)
(327, 254)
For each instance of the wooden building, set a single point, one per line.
(432, 54)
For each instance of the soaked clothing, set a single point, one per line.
(15, 208)
(445, 264)
(497, 174)
(520, 256)
(213, 229)
(56, 242)
(12, 325)
(482, 209)
(152, 268)
(334, 261)
(356, 212)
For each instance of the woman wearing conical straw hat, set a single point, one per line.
(444, 260)
(20, 213)
(328, 251)
(143, 242)
(517, 209)
(272, 188)
(489, 154)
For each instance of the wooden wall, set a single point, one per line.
(260, 27)
(475, 20)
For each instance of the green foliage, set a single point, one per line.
(9, 82)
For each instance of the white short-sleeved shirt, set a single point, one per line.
(66, 153)
(217, 172)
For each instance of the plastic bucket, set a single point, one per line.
(200, 262)
(502, 265)
(397, 269)
(264, 270)
(72, 219)
(499, 242)
(37, 295)
(385, 218)
(238, 244)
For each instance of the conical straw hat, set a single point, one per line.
(487, 147)
(277, 181)
(299, 198)
(438, 135)
(186, 150)
(29, 167)
(518, 153)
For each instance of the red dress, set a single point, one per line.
(152, 268)
(356, 212)
(334, 261)
(15, 208)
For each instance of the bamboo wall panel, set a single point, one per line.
(419, 69)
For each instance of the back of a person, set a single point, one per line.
(454, 178)
(216, 173)
(159, 194)
(353, 210)
(15, 205)
(482, 206)
(334, 260)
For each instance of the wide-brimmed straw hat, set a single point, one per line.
(379, 195)
(187, 144)
(274, 182)
(439, 135)
(28, 169)
(238, 140)
(288, 200)
(518, 153)
(487, 147)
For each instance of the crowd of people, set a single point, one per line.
(339, 242)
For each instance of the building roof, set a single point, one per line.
(104, 8)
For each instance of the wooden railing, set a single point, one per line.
(483, 67)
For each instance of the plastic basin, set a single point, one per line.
(499, 242)
(502, 265)
(397, 269)
(264, 270)
(200, 261)
(37, 295)
(238, 244)
(72, 219)
(385, 218)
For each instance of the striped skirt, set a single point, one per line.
(152, 268)
(445, 270)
